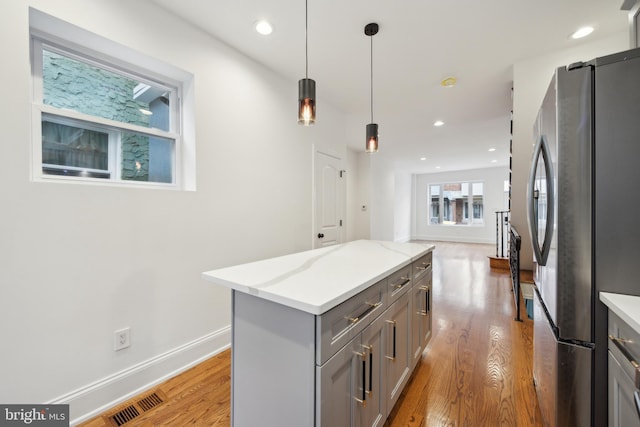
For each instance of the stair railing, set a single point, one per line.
(514, 267)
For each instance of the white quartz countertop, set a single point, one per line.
(627, 307)
(315, 281)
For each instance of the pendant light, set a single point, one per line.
(306, 86)
(372, 128)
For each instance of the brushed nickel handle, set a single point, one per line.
(363, 401)
(404, 281)
(424, 266)
(370, 391)
(371, 305)
(393, 323)
(620, 344)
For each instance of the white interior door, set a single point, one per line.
(330, 200)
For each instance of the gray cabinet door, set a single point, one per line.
(340, 382)
(622, 407)
(374, 413)
(426, 324)
(398, 355)
(420, 317)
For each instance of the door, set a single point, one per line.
(624, 398)
(541, 201)
(420, 317)
(341, 386)
(398, 355)
(374, 413)
(330, 194)
(561, 373)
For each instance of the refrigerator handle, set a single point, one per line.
(541, 151)
(636, 399)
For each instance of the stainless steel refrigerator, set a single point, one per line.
(583, 206)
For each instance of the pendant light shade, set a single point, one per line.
(372, 138)
(372, 128)
(306, 86)
(306, 102)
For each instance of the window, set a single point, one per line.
(456, 203)
(97, 118)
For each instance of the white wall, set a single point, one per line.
(531, 78)
(358, 195)
(493, 179)
(80, 261)
(382, 202)
(402, 207)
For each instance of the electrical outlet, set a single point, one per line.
(121, 339)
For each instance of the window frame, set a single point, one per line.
(95, 55)
(468, 205)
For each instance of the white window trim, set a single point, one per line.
(54, 32)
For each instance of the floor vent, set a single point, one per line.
(125, 415)
(150, 401)
(134, 408)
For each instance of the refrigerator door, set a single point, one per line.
(575, 294)
(617, 172)
(541, 202)
(617, 150)
(562, 375)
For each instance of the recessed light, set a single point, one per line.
(423, 158)
(437, 167)
(448, 82)
(494, 161)
(264, 27)
(582, 32)
(438, 123)
(492, 149)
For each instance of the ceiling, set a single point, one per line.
(420, 42)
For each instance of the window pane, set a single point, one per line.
(69, 150)
(147, 158)
(453, 200)
(435, 204)
(478, 206)
(76, 85)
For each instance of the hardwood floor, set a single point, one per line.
(476, 370)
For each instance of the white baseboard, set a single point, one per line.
(95, 398)
(455, 239)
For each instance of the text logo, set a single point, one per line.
(34, 415)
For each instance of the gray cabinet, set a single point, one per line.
(421, 317)
(398, 356)
(624, 374)
(374, 412)
(339, 382)
(346, 367)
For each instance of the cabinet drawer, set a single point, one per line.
(338, 326)
(422, 265)
(398, 284)
(624, 343)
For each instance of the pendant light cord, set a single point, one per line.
(306, 38)
(371, 78)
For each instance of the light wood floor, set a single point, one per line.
(476, 370)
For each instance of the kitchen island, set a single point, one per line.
(327, 337)
(623, 357)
